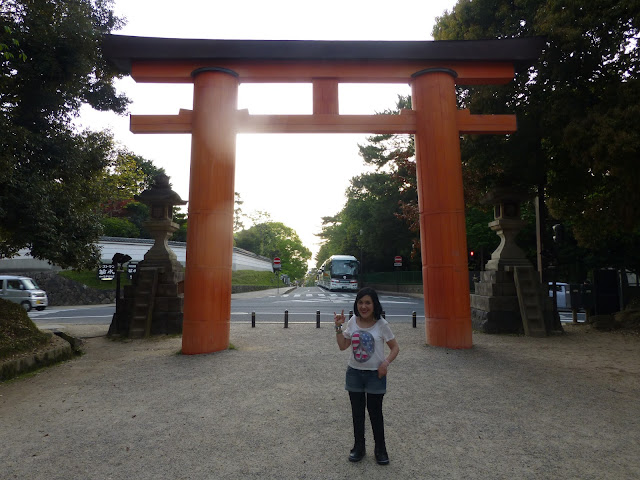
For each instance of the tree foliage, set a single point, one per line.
(126, 176)
(577, 140)
(274, 239)
(376, 223)
(369, 226)
(49, 186)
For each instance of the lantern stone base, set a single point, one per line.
(153, 305)
(494, 305)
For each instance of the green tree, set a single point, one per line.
(577, 143)
(375, 223)
(370, 223)
(119, 227)
(237, 213)
(49, 195)
(480, 238)
(274, 239)
(127, 175)
(181, 219)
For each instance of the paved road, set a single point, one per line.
(268, 306)
(303, 303)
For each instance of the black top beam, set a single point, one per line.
(122, 50)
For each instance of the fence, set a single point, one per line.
(395, 281)
(400, 278)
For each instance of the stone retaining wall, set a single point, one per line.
(63, 291)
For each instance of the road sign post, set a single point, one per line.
(277, 265)
(397, 262)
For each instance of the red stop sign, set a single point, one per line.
(276, 261)
(397, 261)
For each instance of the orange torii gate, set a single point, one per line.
(217, 67)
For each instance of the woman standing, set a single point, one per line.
(366, 380)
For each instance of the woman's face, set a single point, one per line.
(365, 307)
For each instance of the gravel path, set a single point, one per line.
(563, 407)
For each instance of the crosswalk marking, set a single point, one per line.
(317, 295)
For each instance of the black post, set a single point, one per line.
(317, 318)
(117, 290)
(286, 319)
(413, 316)
(117, 317)
(384, 314)
(253, 319)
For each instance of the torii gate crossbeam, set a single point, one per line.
(217, 67)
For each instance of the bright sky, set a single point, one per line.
(297, 179)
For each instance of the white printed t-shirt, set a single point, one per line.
(367, 344)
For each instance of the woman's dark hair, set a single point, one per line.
(377, 308)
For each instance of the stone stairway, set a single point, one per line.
(147, 284)
(530, 301)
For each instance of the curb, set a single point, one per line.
(62, 347)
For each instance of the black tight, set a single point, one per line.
(373, 403)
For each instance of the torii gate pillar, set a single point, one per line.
(207, 314)
(441, 206)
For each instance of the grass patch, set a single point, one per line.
(90, 279)
(18, 333)
(252, 277)
(240, 277)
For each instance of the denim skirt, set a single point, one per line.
(365, 381)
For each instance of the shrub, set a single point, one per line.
(18, 333)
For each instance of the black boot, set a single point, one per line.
(358, 402)
(374, 405)
(357, 453)
(381, 456)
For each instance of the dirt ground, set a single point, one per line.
(511, 407)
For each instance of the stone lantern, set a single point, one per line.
(507, 224)
(160, 199)
(509, 297)
(153, 304)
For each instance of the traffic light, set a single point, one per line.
(472, 260)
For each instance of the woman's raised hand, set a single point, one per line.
(338, 318)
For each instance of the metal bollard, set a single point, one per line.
(317, 318)
(286, 319)
(413, 316)
(350, 313)
(384, 314)
(253, 319)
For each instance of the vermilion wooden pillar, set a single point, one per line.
(441, 206)
(207, 286)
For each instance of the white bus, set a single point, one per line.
(339, 272)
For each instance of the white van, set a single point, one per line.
(24, 291)
(563, 294)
